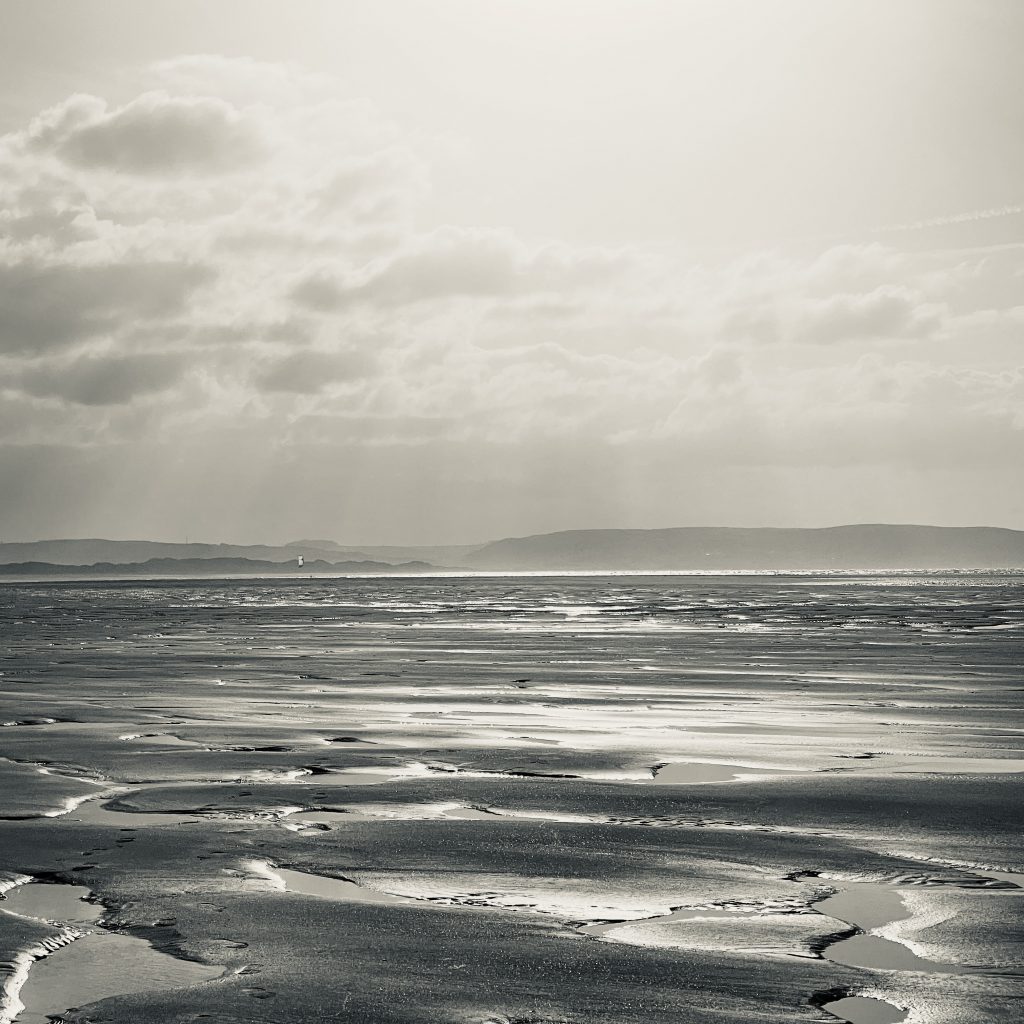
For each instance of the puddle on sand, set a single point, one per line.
(469, 814)
(690, 772)
(870, 907)
(864, 1010)
(48, 901)
(322, 885)
(89, 966)
(93, 812)
(865, 905)
(880, 954)
(99, 965)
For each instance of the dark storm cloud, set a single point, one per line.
(45, 306)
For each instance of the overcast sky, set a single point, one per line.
(454, 270)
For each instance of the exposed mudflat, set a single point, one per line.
(583, 800)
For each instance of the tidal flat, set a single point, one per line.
(513, 799)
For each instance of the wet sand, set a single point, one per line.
(547, 800)
(84, 962)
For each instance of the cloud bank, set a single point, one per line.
(231, 265)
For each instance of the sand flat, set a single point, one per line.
(859, 737)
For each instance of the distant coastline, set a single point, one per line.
(855, 548)
(211, 567)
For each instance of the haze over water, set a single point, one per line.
(524, 798)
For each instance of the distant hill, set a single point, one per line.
(120, 552)
(90, 551)
(709, 548)
(439, 554)
(682, 548)
(210, 567)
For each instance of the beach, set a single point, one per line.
(513, 799)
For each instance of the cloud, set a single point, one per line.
(884, 313)
(456, 263)
(50, 305)
(154, 134)
(378, 187)
(242, 252)
(101, 379)
(850, 295)
(319, 291)
(311, 371)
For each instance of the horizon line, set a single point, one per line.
(355, 546)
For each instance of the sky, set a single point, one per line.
(450, 270)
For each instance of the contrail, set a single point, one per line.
(887, 229)
(953, 218)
